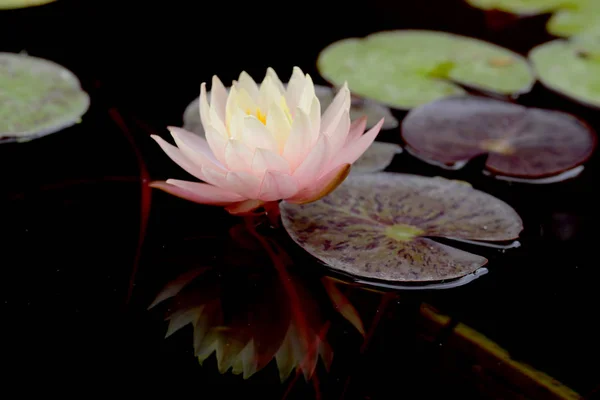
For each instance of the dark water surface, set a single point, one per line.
(86, 247)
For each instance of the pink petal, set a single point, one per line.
(313, 164)
(357, 128)
(218, 97)
(299, 141)
(195, 148)
(244, 183)
(339, 132)
(238, 156)
(176, 155)
(217, 143)
(245, 207)
(325, 185)
(353, 150)
(277, 186)
(198, 192)
(268, 160)
(340, 103)
(215, 177)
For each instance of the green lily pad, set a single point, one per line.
(38, 97)
(582, 17)
(521, 142)
(406, 68)
(569, 67)
(13, 4)
(359, 108)
(379, 226)
(521, 7)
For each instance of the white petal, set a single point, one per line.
(204, 107)
(299, 142)
(236, 124)
(271, 72)
(279, 125)
(268, 160)
(269, 93)
(308, 94)
(195, 148)
(218, 98)
(238, 156)
(256, 134)
(315, 119)
(246, 82)
(294, 88)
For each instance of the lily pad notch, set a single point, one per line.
(407, 68)
(380, 227)
(521, 143)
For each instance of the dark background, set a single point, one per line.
(73, 207)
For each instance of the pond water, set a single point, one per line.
(87, 246)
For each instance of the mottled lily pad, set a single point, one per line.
(520, 7)
(406, 68)
(519, 141)
(377, 158)
(571, 68)
(38, 97)
(379, 226)
(359, 108)
(12, 4)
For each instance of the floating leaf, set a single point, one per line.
(13, 4)
(377, 158)
(359, 108)
(571, 68)
(378, 226)
(520, 142)
(520, 7)
(407, 68)
(38, 98)
(583, 16)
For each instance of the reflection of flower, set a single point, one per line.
(266, 143)
(244, 314)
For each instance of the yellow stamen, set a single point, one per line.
(262, 117)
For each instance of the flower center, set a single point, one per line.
(262, 117)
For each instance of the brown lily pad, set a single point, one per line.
(520, 142)
(377, 158)
(379, 226)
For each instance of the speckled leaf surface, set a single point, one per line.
(520, 141)
(380, 226)
(38, 97)
(406, 68)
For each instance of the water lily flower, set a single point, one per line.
(266, 143)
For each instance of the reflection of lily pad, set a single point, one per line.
(359, 108)
(377, 158)
(407, 68)
(38, 97)
(571, 68)
(520, 142)
(377, 226)
(11, 4)
(520, 7)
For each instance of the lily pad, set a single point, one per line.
(359, 108)
(38, 97)
(407, 68)
(519, 141)
(520, 7)
(581, 17)
(13, 4)
(377, 158)
(379, 226)
(570, 67)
